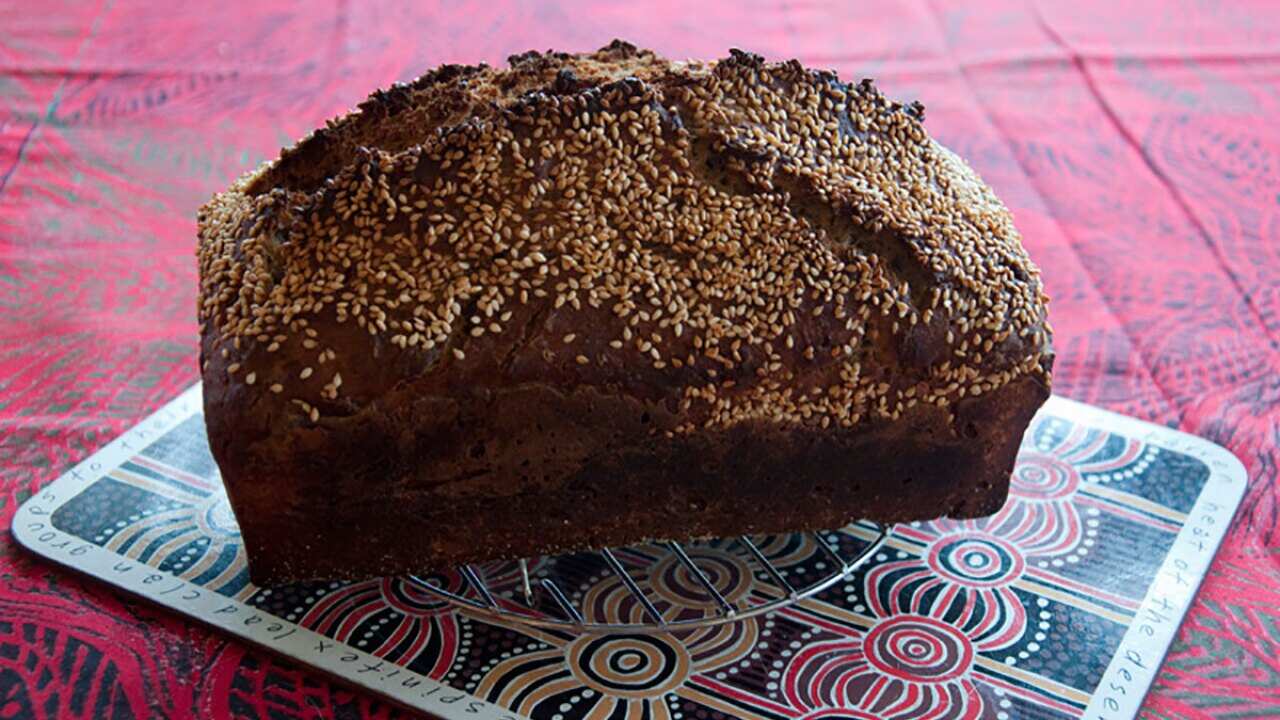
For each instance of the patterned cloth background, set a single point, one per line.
(1135, 142)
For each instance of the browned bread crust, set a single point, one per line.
(594, 299)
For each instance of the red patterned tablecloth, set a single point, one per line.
(1137, 144)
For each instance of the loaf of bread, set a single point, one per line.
(596, 299)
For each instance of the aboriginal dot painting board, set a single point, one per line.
(1061, 605)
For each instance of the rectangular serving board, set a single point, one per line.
(1060, 606)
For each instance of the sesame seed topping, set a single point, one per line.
(724, 224)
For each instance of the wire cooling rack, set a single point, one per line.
(546, 601)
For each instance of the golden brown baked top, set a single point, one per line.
(750, 240)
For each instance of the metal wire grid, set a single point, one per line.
(570, 618)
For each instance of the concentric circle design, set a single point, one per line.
(918, 648)
(976, 560)
(1040, 477)
(631, 666)
(412, 599)
(729, 575)
(215, 519)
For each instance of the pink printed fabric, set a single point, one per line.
(1136, 143)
